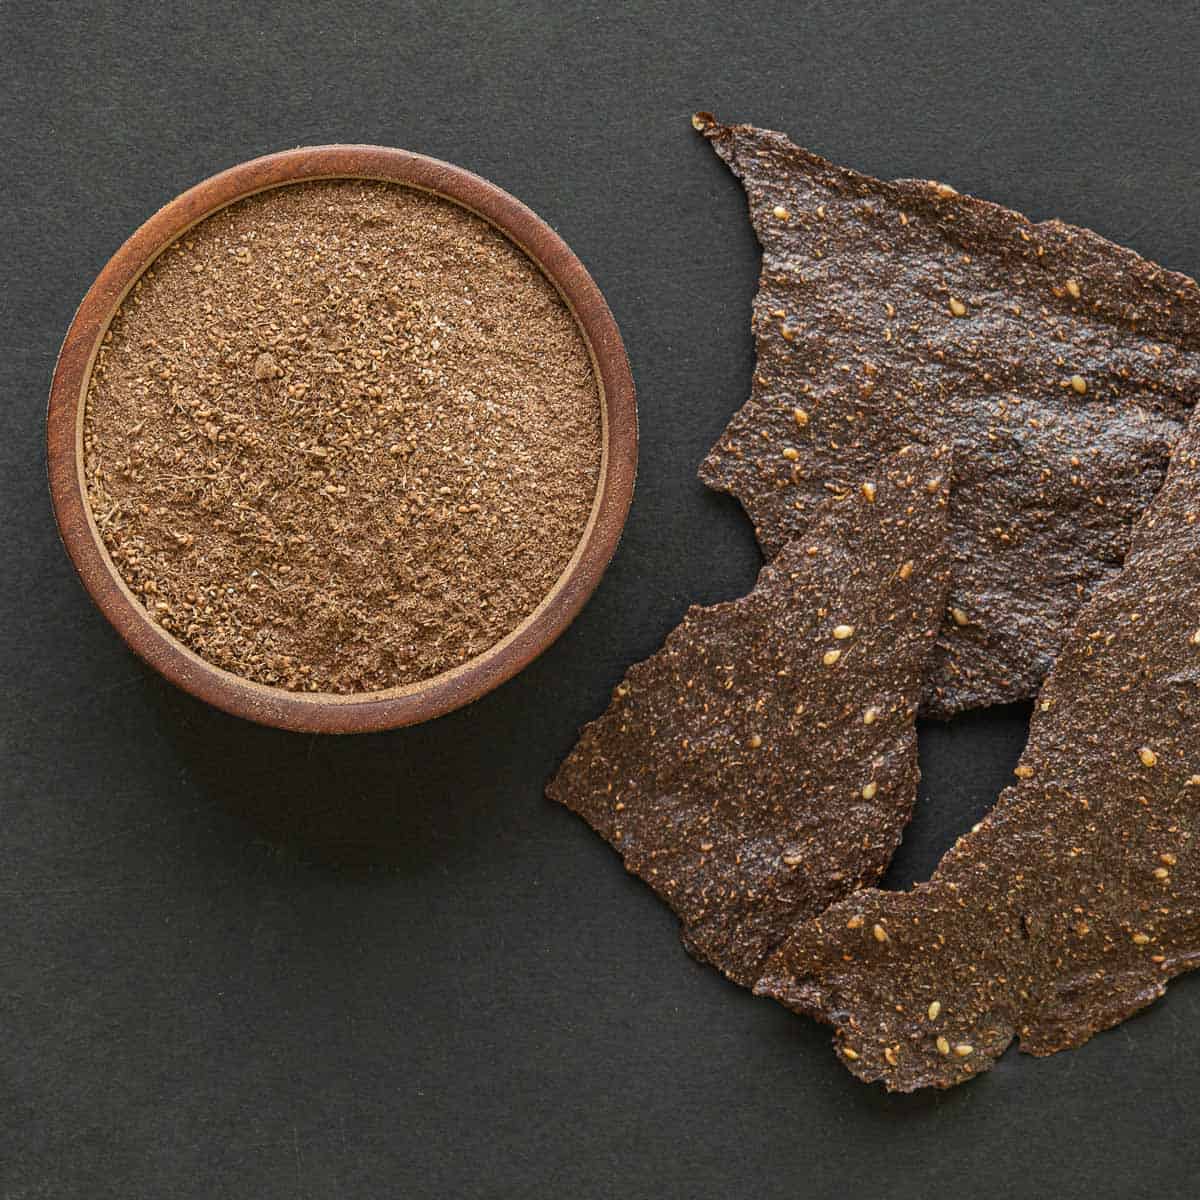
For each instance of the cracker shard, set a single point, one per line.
(1060, 366)
(736, 771)
(1075, 901)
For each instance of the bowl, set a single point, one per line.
(323, 712)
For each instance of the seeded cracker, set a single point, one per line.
(1059, 365)
(1077, 899)
(764, 762)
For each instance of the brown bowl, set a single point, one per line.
(325, 712)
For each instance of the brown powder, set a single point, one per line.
(342, 436)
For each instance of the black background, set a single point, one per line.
(237, 962)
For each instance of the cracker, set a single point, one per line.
(1060, 366)
(764, 762)
(1074, 902)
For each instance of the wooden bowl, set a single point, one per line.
(325, 712)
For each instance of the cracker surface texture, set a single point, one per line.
(1074, 902)
(1060, 366)
(764, 762)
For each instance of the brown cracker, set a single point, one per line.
(856, 331)
(729, 770)
(1075, 901)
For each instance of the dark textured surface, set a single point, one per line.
(763, 763)
(1077, 898)
(186, 1012)
(1060, 367)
